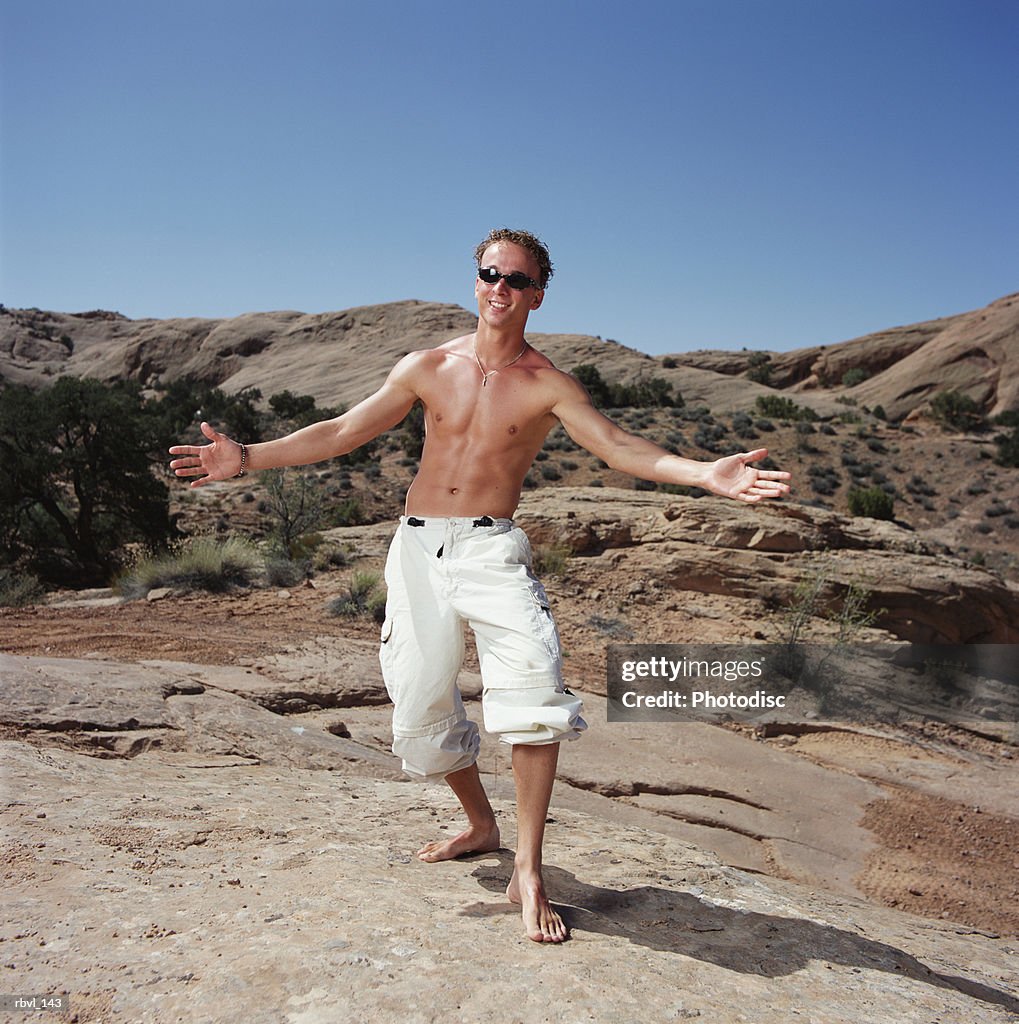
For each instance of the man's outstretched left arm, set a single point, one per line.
(733, 476)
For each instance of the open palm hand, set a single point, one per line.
(219, 460)
(734, 477)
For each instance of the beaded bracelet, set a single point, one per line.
(244, 461)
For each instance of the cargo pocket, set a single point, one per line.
(545, 624)
(524, 554)
(387, 657)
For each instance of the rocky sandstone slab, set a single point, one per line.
(121, 710)
(921, 594)
(801, 819)
(155, 892)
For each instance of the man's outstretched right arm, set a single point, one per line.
(221, 459)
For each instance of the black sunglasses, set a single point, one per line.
(515, 280)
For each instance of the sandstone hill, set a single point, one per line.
(976, 353)
(946, 484)
(340, 357)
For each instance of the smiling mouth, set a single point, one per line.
(498, 305)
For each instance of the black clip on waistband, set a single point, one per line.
(483, 521)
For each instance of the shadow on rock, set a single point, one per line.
(745, 941)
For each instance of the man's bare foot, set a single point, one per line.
(471, 840)
(541, 922)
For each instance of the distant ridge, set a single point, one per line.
(976, 353)
(340, 357)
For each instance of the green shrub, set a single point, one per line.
(857, 375)
(328, 556)
(707, 436)
(803, 432)
(956, 411)
(697, 414)
(286, 572)
(1008, 448)
(873, 502)
(18, 589)
(198, 563)
(589, 375)
(759, 368)
(918, 485)
(743, 424)
(551, 559)
(364, 597)
(783, 408)
(288, 406)
(647, 392)
(823, 479)
(347, 513)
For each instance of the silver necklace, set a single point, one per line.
(485, 374)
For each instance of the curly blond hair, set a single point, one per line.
(532, 243)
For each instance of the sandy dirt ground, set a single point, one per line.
(939, 851)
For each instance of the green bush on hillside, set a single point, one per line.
(1008, 448)
(759, 368)
(648, 393)
(854, 376)
(873, 502)
(782, 408)
(956, 411)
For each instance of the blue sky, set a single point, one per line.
(726, 173)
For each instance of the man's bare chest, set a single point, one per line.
(501, 412)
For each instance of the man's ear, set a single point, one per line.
(536, 302)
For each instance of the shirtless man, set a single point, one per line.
(490, 400)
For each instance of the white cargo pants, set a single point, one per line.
(442, 572)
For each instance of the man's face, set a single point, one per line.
(499, 305)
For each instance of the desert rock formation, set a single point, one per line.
(341, 357)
